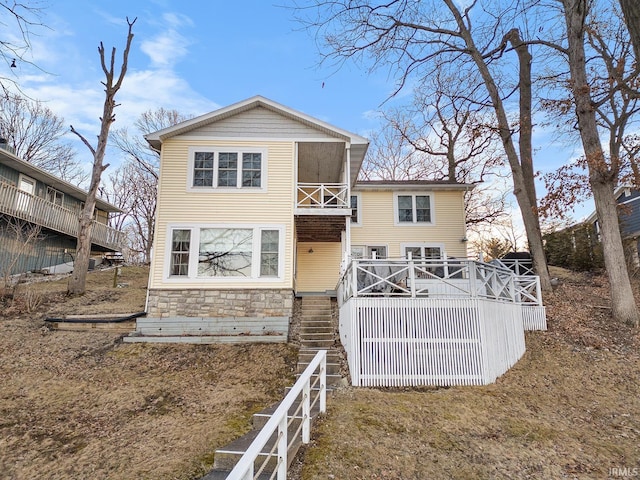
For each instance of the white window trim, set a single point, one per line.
(396, 216)
(358, 222)
(404, 246)
(55, 193)
(237, 189)
(194, 248)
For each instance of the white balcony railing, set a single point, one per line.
(323, 195)
(39, 211)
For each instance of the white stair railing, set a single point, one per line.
(280, 421)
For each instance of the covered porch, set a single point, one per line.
(434, 322)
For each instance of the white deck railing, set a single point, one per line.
(323, 195)
(40, 211)
(434, 322)
(254, 462)
(450, 278)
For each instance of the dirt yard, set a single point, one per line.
(569, 409)
(84, 405)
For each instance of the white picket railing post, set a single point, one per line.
(323, 387)
(306, 412)
(282, 448)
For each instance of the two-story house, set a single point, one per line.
(34, 201)
(258, 203)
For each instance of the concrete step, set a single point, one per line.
(332, 368)
(327, 330)
(306, 355)
(333, 380)
(316, 300)
(322, 344)
(316, 336)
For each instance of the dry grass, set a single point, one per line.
(569, 409)
(79, 405)
(85, 405)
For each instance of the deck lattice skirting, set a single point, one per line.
(459, 322)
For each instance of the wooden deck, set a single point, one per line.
(39, 211)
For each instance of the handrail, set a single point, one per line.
(244, 469)
(450, 278)
(323, 195)
(40, 211)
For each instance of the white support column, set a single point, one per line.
(346, 254)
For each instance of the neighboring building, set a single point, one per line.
(628, 200)
(258, 203)
(31, 197)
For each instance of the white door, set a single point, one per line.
(28, 186)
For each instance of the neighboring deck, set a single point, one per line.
(405, 322)
(40, 211)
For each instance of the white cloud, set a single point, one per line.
(169, 46)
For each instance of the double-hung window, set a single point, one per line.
(354, 202)
(226, 168)
(413, 209)
(219, 251)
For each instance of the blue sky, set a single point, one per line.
(197, 56)
(194, 57)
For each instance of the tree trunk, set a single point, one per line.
(83, 250)
(631, 12)
(601, 181)
(521, 189)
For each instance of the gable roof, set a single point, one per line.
(37, 173)
(358, 143)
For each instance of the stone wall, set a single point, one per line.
(220, 303)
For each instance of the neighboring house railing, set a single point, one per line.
(323, 195)
(519, 266)
(434, 322)
(310, 389)
(37, 210)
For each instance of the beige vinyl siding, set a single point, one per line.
(379, 228)
(177, 205)
(318, 271)
(260, 123)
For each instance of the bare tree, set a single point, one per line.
(415, 39)
(112, 85)
(135, 183)
(37, 136)
(18, 20)
(603, 175)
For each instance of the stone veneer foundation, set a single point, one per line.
(220, 303)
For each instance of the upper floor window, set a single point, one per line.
(54, 196)
(354, 203)
(415, 209)
(226, 168)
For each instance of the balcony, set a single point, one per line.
(321, 211)
(323, 199)
(39, 211)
